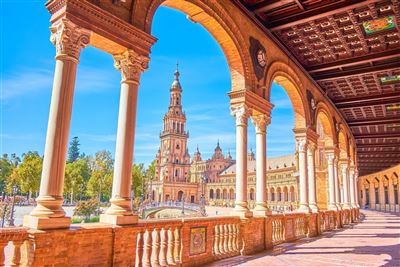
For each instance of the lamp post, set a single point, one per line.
(203, 182)
(15, 190)
(151, 188)
(4, 211)
(183, 203)
(142, 195)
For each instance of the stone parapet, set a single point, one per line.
(185, 242)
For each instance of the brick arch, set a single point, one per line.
(343, 144)
(285, 76)
(219, 23)
(323, 116)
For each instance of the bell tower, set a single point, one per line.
(173, 158)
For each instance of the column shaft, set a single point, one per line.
(312, 195)
(131, 66)
(337, 184)
(345, 178)
(260, 122)
(352, 189)
(302, 150)
(241, 208)
(331, 182)
(68, 40)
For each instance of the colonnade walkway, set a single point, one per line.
(373, 242)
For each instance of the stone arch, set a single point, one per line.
(285, 76)
(278, 194)
(211, 196)
(219, 23)
(218, 193)
(285, 194)
(272, 192)
(343, 144)
(324, 118)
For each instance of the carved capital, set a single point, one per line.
(331, 157)
(261, 122)
(241, 113)
(68, 38)
(131, 65)
(302, 144)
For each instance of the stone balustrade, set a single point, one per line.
(167, 242)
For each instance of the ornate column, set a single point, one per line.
(338, 200)
(357, 190)
(302, 149)
(241, 113)
(331, 181)
(131, 66)
(346, 203)
(260, 122)
(312, 195)
(68, 39)
(352, 188)
(391, 195)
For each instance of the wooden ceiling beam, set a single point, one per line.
(316, 13)
(370, 122)
(378, 145)
(385, 135)
(348, 73)
(366, 100)
(377, 152)
(353, 61)
(267, 6)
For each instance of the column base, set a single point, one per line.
(262, 213)
(339, 207)
(241, 210)
(46, 223)
(314, 208)
(304, 208)
(333, 207)
(346, 206)
(119, 219)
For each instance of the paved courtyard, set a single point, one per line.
(374, 242)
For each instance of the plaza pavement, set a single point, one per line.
(373, 242)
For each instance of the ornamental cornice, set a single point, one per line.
(131, 65)
(111, 30)
(256, 103)
(68, 38)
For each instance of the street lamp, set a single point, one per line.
(183, 203)
(203, 183)
(151, 188)
(142, 195)
(15, 190)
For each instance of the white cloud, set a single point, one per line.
(5, 136)
(98, 137)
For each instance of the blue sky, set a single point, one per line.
(27, 65)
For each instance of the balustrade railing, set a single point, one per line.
(226, 239)
(11, 242)
(170, 242)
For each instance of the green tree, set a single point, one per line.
(100, 182)
(77, 174)
(29, 172)
(138, 175)
(73, 150)
(7, 166)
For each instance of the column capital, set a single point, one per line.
(68, 38)
(131, 65)
(301, 144)
(261, 122)
(241, 113)
(330, 156)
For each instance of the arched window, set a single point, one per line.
(176, 172)
(211, 194)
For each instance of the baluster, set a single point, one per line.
(17, 253)
(230, 249)
(226, 235)
(3, 244)
(237, 237)
(155, 247)
(163, 247)
(139, 249)
(234, 238)
(221, 239)
(177, 247)
(170, 249)
(216, 240)
(147, 249)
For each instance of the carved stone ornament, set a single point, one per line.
(312, 106)
(241, 114)
(330, 157)
(259, 57)
(302, 144)
(68, 38)
(260, 122)
(131, 65)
